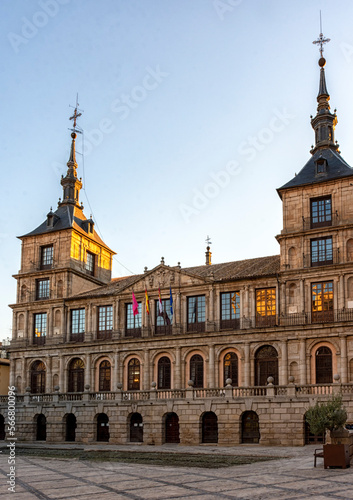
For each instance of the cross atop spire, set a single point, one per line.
(321, 40)
(76, 115)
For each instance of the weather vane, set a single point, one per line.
(208, 241)
(75, 116)
(321, 40)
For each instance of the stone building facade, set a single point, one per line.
(219, 353)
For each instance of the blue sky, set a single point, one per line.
(195, 111)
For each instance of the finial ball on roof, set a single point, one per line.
(74, 135)
(322, 62)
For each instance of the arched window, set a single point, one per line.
(230, 368)
(266, 365)
(104, 376)
(134, 374)
(38, 377)
(250, 430)
(41, 428)
(76, 375)
(103, 427)
(292, 257)
(164, 373)
(209, 427)
(323, 365)
(21, 322)
(57, 318)
(292, 292)
(70, 427)
(136, 428)
(196, 370)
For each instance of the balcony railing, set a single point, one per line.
(39, 340)
(77, 337)
(133, 332)
(330, 258)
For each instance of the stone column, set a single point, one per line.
(88, 371)
(48, 381)
(246, 380)
(177, 311)
(302, 296)
(284, 364)
(344, 360)
(283, 304)
(246, 310)
(177, 369)
(341, 298)
(211, 367)
(211, 305)
(116, 315)
(146, 372)
(94, 322)
(13, 372)
(115, 376)
(62, 373)
(302, 363)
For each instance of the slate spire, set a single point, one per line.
(70, 183)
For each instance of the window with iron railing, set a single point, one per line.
(230, 310)
(105, 322)
(196, 312)
(133, 321)
(322, 302)
(39, 328)
(321, 212)
(46, 257)
(266, 307)
(42, 289)
(78, 323)
(321, 251)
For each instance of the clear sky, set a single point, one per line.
(195, 111)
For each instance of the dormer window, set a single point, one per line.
(321, 166)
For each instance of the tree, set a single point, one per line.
(330, 415)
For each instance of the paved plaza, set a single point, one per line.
(70, 479)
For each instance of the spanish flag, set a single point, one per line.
(147, 302)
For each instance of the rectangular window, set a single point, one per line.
(266, 307)
(163, 318)
(230, 310)
(42, 289)
(196, 314)
(39, 328)
(321, 251)
(105, 322)
(133, 322)
(90, 259)
(322, 302)
(321, 212)
(46, 257)
(78, 321)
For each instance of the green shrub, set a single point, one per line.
(330, 415)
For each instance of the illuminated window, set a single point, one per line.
(46, 257)
(322, 302)
(321, 212)
(321, 251)
(163, 318)
(78, 319)
(230, 309)
(133, 322)
(39, 328)
(133, 375)
(266, 307)
(104, 376)
(105, 321)
(230, 368)
(42, 289)
(90, 259)
(196, 314)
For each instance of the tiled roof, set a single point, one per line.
(336, 168)
(243, 269)
(67, 217)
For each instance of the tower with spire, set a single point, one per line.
(64, 255)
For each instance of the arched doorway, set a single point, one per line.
(76, 375)
(134, 373)
(104, 376)
(250, 429)
(136, 428)
(41, 428)
(230, 368)
(172, 428)
(38, 377)
(323, 366)
(196, 370)
(164, 373)
(70, 427)
(2, 427)
(209, 427)
(103, 427)
(266, 365)
(312, 438)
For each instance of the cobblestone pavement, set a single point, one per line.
(285, 478)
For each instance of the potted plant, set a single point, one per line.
(331, 416)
